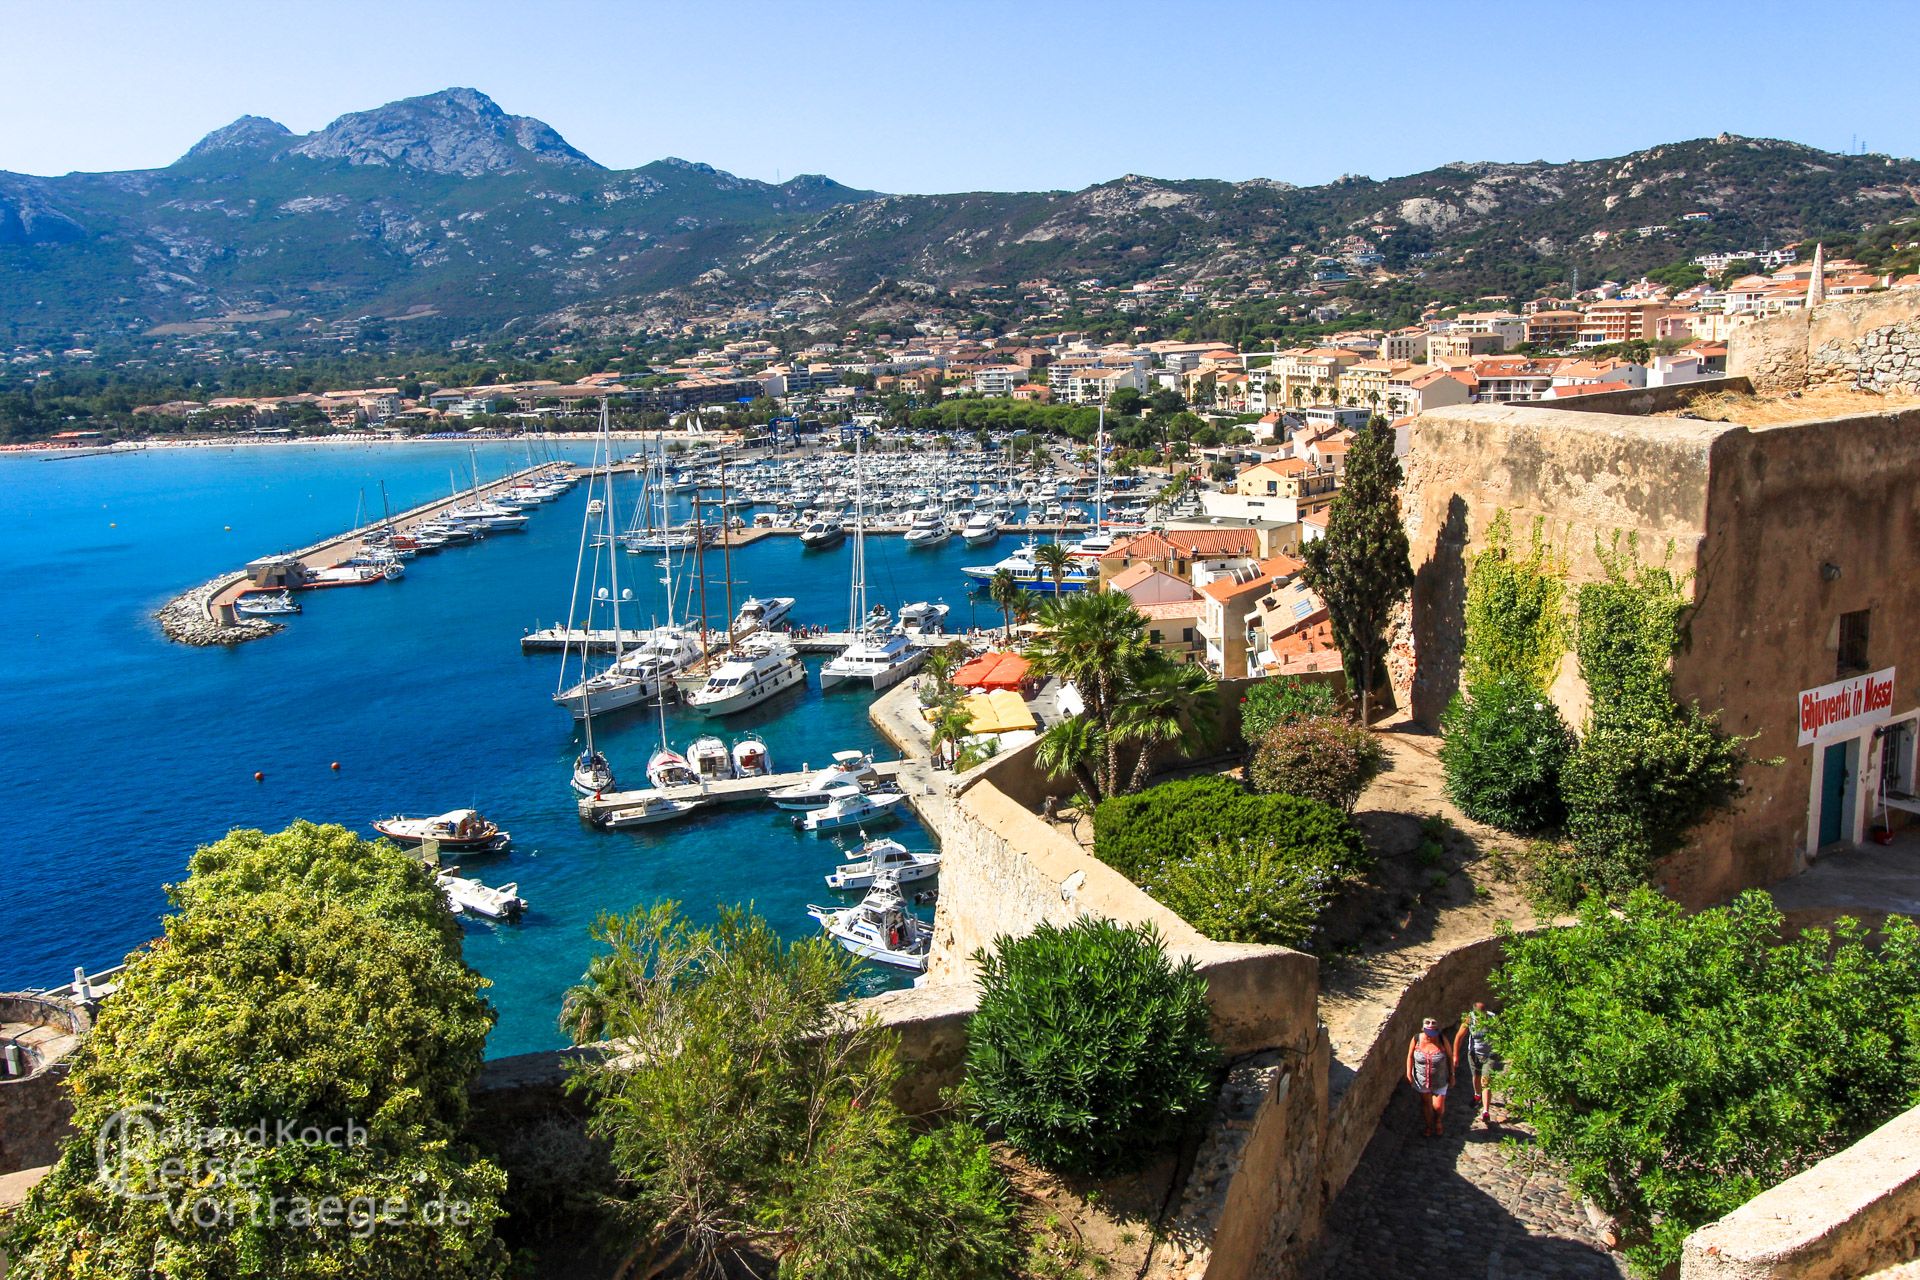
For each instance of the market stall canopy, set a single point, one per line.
(993, 671)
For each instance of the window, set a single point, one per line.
(1155, 635)
(1853, 642)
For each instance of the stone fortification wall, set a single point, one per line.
(1850, 1215)
(1867, 342)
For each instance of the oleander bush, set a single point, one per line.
(1503, 748)
(1321, 757)
(1133, 833)
(1090, 1050)
(1282, 700)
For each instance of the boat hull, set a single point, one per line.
(792, 676)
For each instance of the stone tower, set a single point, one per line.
(1817, 282)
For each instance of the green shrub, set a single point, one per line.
(959, 1223)
(1516, 614)
(1132, 834)
(1281, 700)
(1322, 758)
(1678, 1064)
(1635, 786)
(1090, 1049)
(1503, 750)
(1249, 891)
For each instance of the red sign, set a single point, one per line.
(1832, 710)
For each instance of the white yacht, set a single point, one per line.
(879, 928)
(667, 768)
(923, 616)
(619, 686)
(880, 659)
(883, 857)
(468, 897)
(928, 529)
(751, 759)
(851, 807)
(710, 759)
(265, 604)
(762, 666)
(816, 788)
(981, 528)
(762, 615)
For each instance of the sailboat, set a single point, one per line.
(622, 683)
(665, 768)
(877, 657)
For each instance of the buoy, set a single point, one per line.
(336, 766)
(259, 776)
(227, 528)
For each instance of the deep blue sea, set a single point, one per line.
(120, 753)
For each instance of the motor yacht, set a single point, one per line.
(851, 808)
(981, 528)
(266, 604)
(710, 759)
(762, 615)
(879, 928)
(763, 666)
(648, 807)
(883, 857)
(751, 759)
(814, 790)
(827, 531)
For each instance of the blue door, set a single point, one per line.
(1833, 794)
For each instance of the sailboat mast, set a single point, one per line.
(1099, 469)
(606, 536)
(726, 551)
(700, 563)
(857, 587)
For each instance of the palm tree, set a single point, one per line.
(1168, 704)
(1055, 559)
(1025, 605)
(1002, 589)
(1097, 640)
(950, 729)
(1072, 746)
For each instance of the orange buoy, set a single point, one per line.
(336, 766)
(259, 776)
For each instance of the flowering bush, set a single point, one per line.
(1282, 700)
(1320, 758)
(1504, 748)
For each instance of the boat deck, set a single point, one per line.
(725, 791)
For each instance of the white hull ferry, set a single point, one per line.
(762, 615)
(879, 928)
(851, 810)
(814, 790)
(883, 857)
(763, 667)
(649, 809)
(877, 659)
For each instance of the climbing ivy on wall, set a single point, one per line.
(1516, 614)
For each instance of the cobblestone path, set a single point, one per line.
(1461, 1206)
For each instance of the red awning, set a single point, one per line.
(973, 673)
(1009, 670)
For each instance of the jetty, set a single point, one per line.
(204, 615)
(718, 790)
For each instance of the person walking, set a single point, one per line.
(1476, 1036)
(1430, 1071)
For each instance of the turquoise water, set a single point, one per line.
(120, 753)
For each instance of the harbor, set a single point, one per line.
(720, 791)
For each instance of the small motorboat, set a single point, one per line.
(457, 831)
(815, 789)
(851, 809)
(824, 533)
(879, 928)
(670, 769)
(883, 857)
(265, 604)
(468, 897)
(710, 759)
(649, 808)
(592, 774)
(751, 759)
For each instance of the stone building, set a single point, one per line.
(1803, 542)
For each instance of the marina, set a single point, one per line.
(718, 791)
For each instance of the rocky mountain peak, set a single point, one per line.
(455, 131)
(243, 134)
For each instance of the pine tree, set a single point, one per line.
(1362, 567)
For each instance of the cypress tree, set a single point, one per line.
(1362, 567)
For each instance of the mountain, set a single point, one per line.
(444, 213)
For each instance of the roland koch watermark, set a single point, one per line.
(215, 1178)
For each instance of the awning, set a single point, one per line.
(1001, 711)
(992, 671)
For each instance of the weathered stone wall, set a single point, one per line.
(1641, 401)
(1586, 475)
(1851, 1214)
(1867, 342)
(36, 1112)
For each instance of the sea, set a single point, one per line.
(121, 753)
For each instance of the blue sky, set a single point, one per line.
(918, 96)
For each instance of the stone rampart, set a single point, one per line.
(1850, 1215)
(1866, 342)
